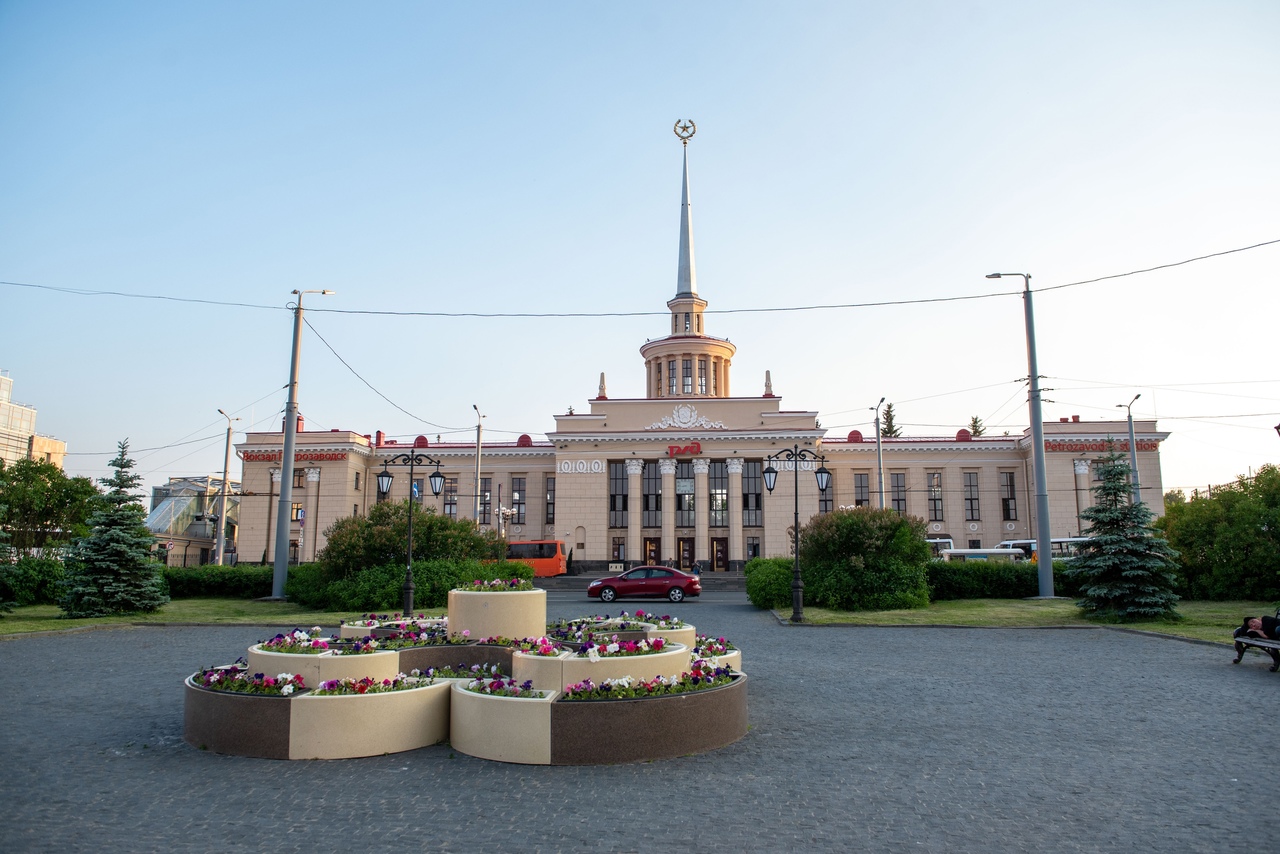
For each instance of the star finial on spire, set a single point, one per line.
(685, 129)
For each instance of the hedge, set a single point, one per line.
(769, 581)
(990, 579)
(248, 581)
(380, 588)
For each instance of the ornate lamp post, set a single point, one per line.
(794, 455)
(384, 486)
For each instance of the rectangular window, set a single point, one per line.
(659, 379)
(684, 494)
(485, 504)
(418, 484)
(551, 501)
(296, 509)
(752, 484)
(826, 497)
(686, 373)
(300, 479)
(451, 497)
(718, 495)
(357, 481)
(702, 376)
(619, 551)
(651, 493)
(753, 547)
(934, 480)
(975, 544)
(898, 491)
(617, 495)
(517, 501)
(1008, 497)
(862, 490)
(355, 509)
(671, 376)
(972, 512)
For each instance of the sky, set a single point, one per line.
(171, 172)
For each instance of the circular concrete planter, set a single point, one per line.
(686, 634)
(514, 614)
(598, 732)
(236, 724)
(358, 632)
(546, 672)
(504, 729)
(348, 726)
(324, 666)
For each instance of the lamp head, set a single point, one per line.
(995, 275)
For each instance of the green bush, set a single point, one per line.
(769, 581)
(308, 586)
(232, 582)
(986, 579)
(31, 581)
(355, 543)
(381, 588)
(864, 560)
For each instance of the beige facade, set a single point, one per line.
(18, 437)
(676, 476)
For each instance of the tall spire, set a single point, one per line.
(686, 277)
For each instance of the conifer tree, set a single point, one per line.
(1125, 571)
(976, 427)
(888, 429)
(110, 571)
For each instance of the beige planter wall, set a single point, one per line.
(504, 729)
(346, 727)
(688, 635)
(545, 672)
(516, 614)
(671, 662)
(356, 632)
(315, 669)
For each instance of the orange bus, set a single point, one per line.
(547, 557)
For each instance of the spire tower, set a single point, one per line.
(686, 276)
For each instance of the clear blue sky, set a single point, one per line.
(519, 157)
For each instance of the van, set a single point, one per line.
(547, 557)
(1011, 555)
(1061, 547)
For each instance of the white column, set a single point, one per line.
(734, 466)
(668, 469)
(635, 507)
(701, 508)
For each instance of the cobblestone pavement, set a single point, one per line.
(861, 739)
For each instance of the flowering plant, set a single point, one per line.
(666, 621)
(429, 637)
(297, 641)
(709, 647)
(700, 678)
(366, 621)
(614, 647)
(358, 647)
(500, 687)
(238, 681)
(462, 671)
(368, 685)
(495, 640)
(498, 585)
(539, 646)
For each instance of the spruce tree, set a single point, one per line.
(976, 427)
(888, 429)
(110, 571)
(1125, 571)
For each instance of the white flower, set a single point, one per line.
(612, 648)
(284, 677)
(287, 689)
(593, 654)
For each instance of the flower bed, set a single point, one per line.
(513, 613)
(716, 651)
(497, 585)
(237, 680)
(670, 661)
(297, 642)
(327, 665)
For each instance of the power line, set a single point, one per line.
(1153, 269)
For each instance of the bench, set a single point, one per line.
(1270, 647)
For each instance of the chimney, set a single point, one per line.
(377, 441)
(1063, 420)
(1075, 419)
(300, 427)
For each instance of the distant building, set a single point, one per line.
(184, 519)
(677, 476)
(18, 437)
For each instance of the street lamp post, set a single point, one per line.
(221, 545)
(384, 486)
(879, 454)
(794, 455)
(1043, 529)
(281, 572)
(1133, 451)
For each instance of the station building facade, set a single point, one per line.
(676, 477)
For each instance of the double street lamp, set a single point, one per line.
(794, 455)
(384, 486)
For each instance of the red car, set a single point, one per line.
(655, 582)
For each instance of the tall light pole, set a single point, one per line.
(879, 454)
(1044, 547)
(384, 486)
(1133, 451)
(221, 545)
(479, 429)
(795, 455)
(281, 573)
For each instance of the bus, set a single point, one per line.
(1010, 555)
(1060, 547)
(547, 557)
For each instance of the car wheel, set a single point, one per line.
(676, 594)
(608, 594)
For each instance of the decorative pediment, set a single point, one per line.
(685, 417)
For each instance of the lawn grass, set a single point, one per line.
(1212, 621)
(281, 615)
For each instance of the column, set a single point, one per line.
(734, 467)
(668, 469)
(313, 486)
(271, 508)
(635, 509)
(701, 511)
